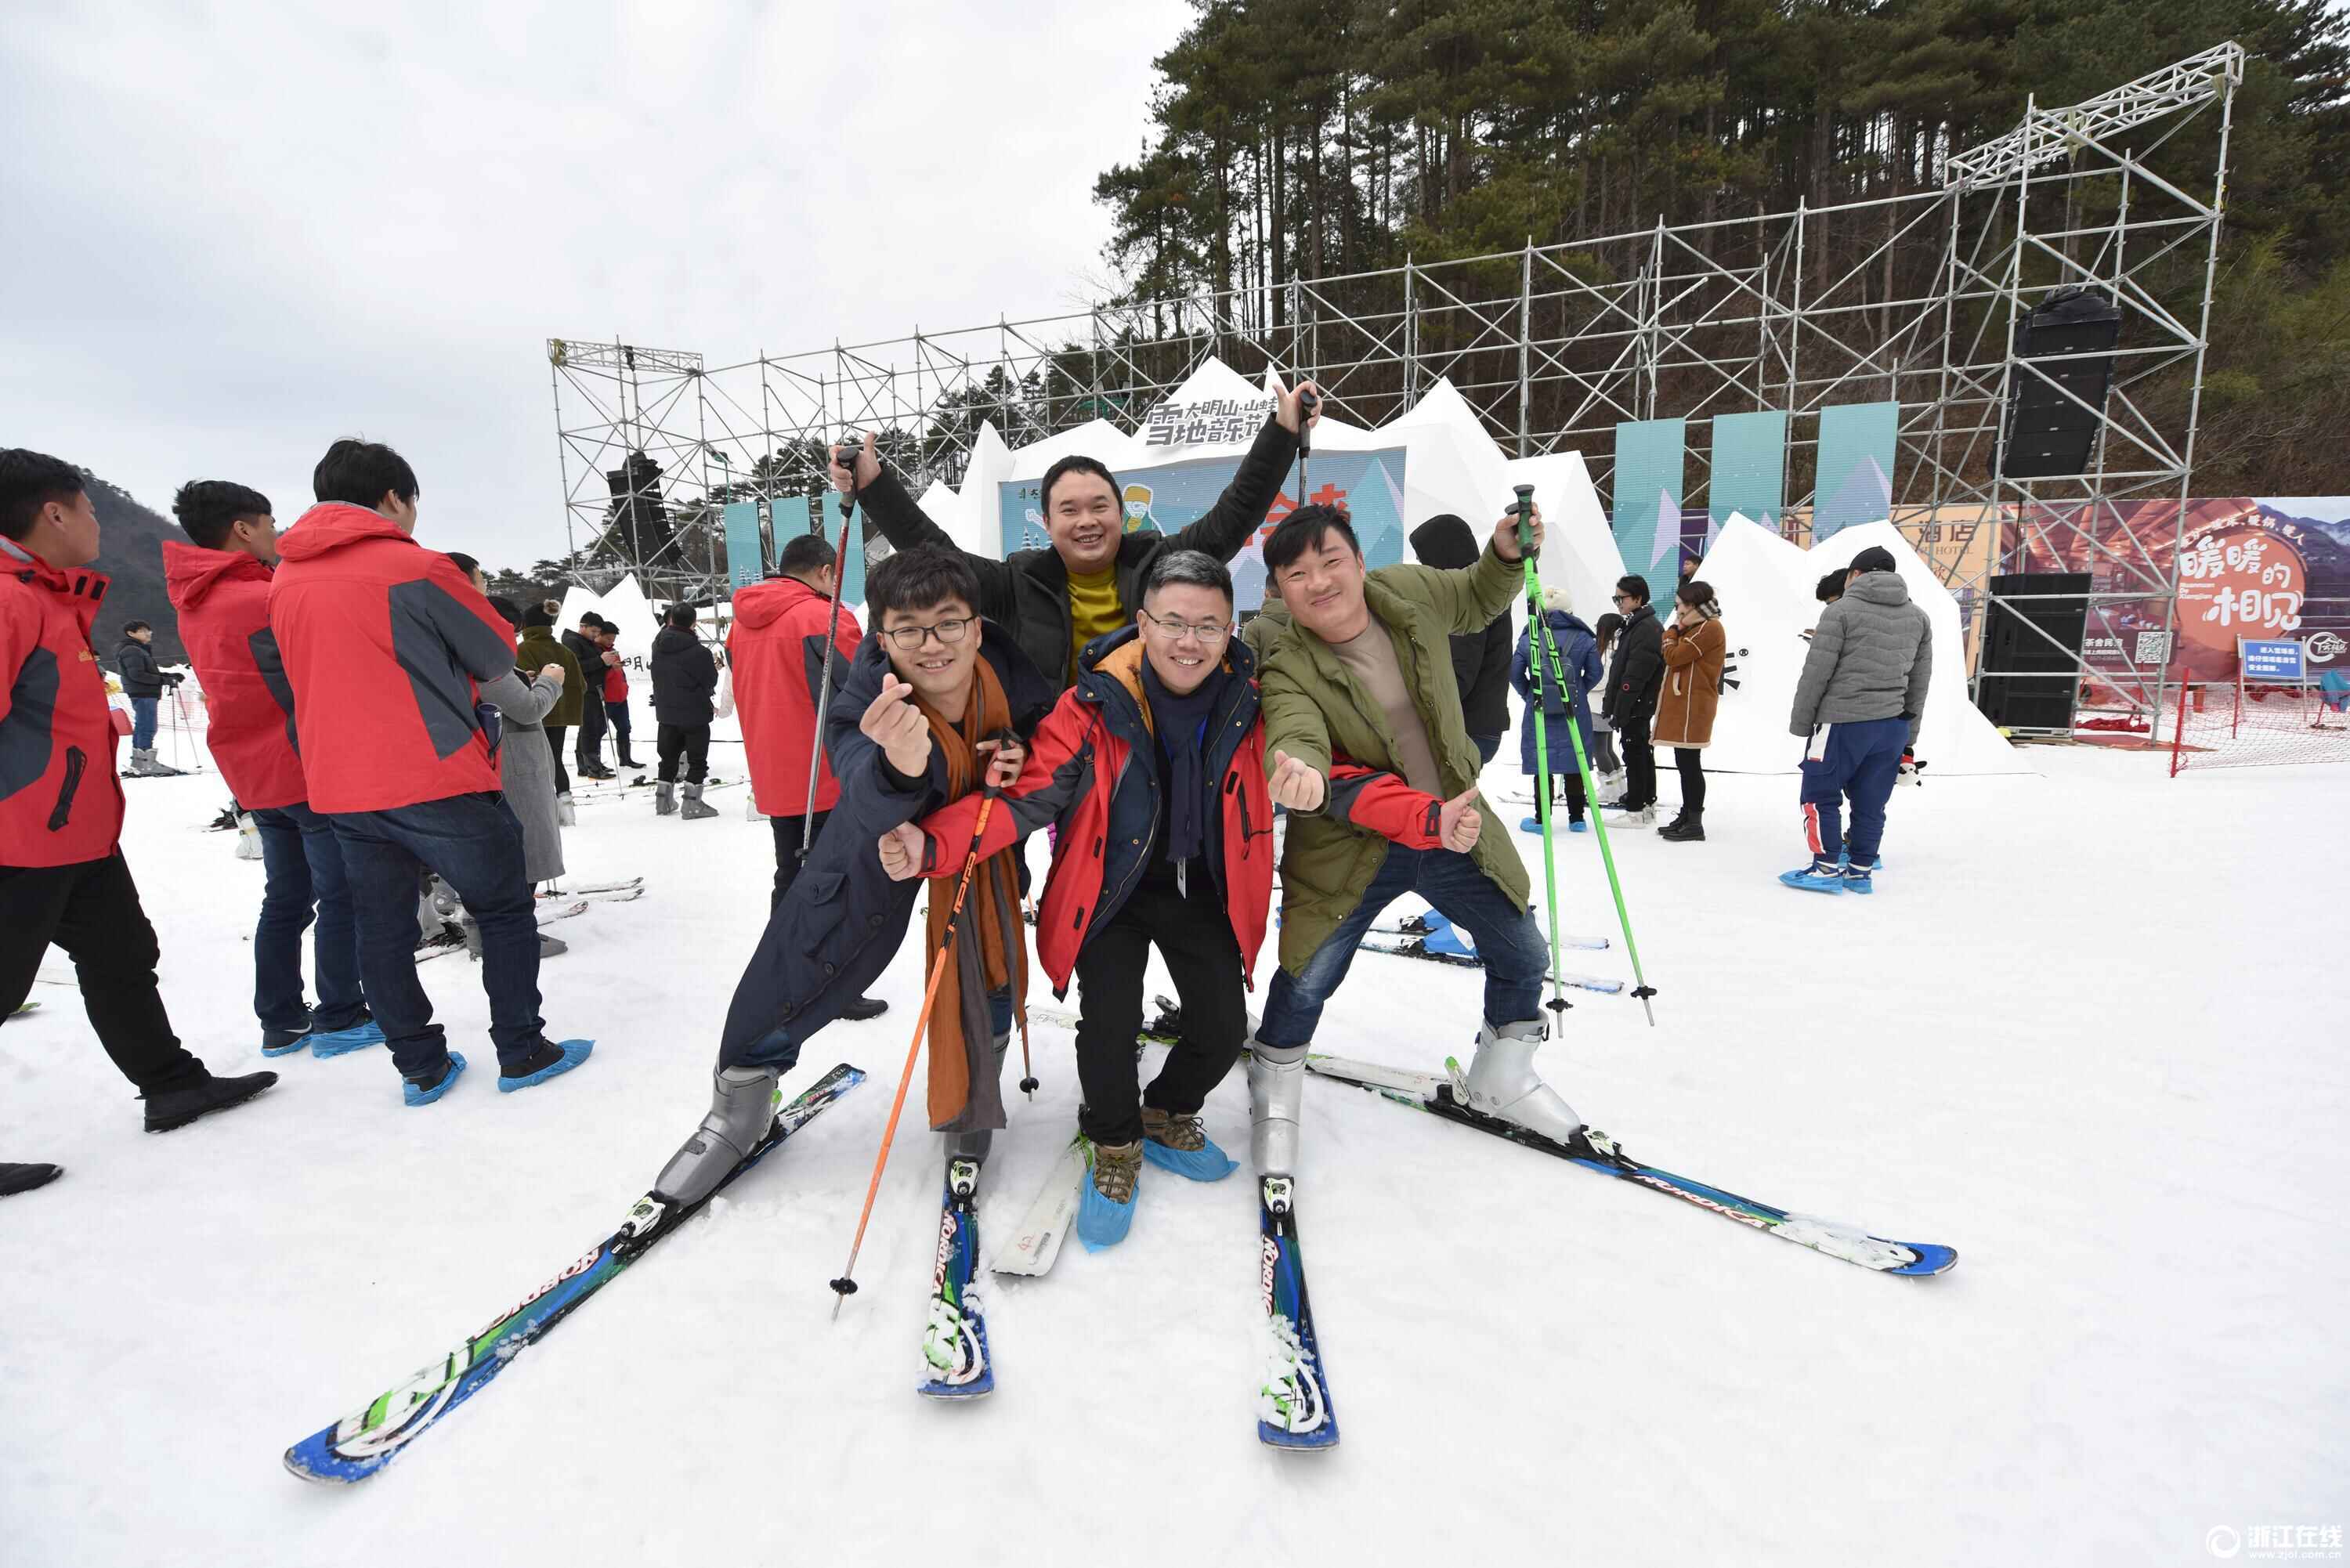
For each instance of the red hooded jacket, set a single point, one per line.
(223, 597)
(383, 641)
(55, 731)
(776, 652)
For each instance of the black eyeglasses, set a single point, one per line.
(1177, 630)
(949, 632)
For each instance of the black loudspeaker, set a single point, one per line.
(2045, 434)
(2031, 682)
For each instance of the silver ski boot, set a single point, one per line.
(694, 810)
(664, 799)
(1277, 1081)
(742, 1108)
(1502, 1082)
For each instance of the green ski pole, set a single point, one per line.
(1546, 662)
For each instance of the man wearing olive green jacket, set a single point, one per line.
(1367, 747)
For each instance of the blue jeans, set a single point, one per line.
(1861, 761)
(474, 842)
(304, 865)
(1509, 939)
(142, 723)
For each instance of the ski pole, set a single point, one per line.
(846, 1286)
(1546, 655)
(1558, 1004)
(831, 636)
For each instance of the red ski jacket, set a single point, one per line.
(383, 641)
(60, 798)
(616, 683)
(776, 652)
(223, 597)
(1093, 768)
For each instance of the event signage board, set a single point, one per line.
(2266, 660)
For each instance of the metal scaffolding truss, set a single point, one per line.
(1912, 298)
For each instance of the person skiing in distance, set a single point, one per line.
(616, 692)
(1578, 660)
(1055, 601)
(1368, 751)
(934, 703)
(1858, 705)
(1634, 677)
(775, 652)
(685, 679)
(1152, 767)
(144, 682)
(1481, 659)
(1694, 649)
(538, 648)
(219, 584)
(386, 644)
(586, 645)
(63, 880)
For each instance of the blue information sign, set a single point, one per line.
(2272, 661)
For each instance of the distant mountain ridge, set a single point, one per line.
(131, 551)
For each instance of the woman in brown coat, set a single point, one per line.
(1695, 647)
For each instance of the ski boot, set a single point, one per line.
(1277, 1081)
(664, 799)
(692, 810)
(1502, 1082)
(742, 1109)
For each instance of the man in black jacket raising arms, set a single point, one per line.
(685, 677)
(1634, 678)
(1055, 601)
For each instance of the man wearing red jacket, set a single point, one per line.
(384, 642)
(775, 651)
(62, 875)
(220, 586)
(1153, 765)
(616, 691)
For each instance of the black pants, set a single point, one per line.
(691, 739)
(788, 830)
(589, 744)
(1195, 938)
(618, 714)
(91, 910)
(1639, 762)
(1569, 786)
(554, 733)
(1685, 760)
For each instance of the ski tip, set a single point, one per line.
(1320, 1440)
(1933, 1258)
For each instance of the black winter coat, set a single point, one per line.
(1636, 673)
(1481, 668)
(1028, 594)
(685, 677)
(844, 920)
(135, 662)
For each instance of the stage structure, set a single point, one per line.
(1750, 338)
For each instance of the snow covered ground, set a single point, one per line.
(2086, 1032)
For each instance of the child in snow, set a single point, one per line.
(1530, 677)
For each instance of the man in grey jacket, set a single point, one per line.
(1856, 706)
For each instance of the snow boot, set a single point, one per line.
(24, 1178)
(664, 799)
(423, 1091)
(1177, 1142)
(343, 1042)
(1822, 876)
(551, 947)
(742, 1109)
(1642, 816)
(199, 1094)
(1502, 1082)
(1277, 1081)
(628, 762)
(1105, 1207)
(549, 1061)
(248, 838)
(860, 1009)
(1686, 828)
(565, 815)
(692, 810)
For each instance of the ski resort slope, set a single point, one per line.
(2079, 1033)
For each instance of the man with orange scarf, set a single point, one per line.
(934, 697)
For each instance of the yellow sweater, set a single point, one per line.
(1093, 610)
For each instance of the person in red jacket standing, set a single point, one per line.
(62, 875)
(220, 586)
(1153, 765)
(384, 642)
(775, 651)
(616, 691)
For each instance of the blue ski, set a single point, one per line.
(371, 1437)
(1294, 1408)
(954, 1342)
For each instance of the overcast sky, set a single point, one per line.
(231, 232)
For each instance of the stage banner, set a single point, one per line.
(1647, 495)
(1169, 496)
(1749, 470)
(746, 561)
(1855, 482)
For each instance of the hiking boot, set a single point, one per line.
(200, 1094)
(1105, 1205)
(1182, 1133)
(1174, 1140)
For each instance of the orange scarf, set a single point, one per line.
(991, 951)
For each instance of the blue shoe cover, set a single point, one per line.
(414, 1095)
(1449, 940)
(1530, 824)
(297, 1043)
(1207, 1164)
(574, 1053)
(342, 1042)
(1855, 880)
(1578, 825)
(1814, 879)
(1100, 1222)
